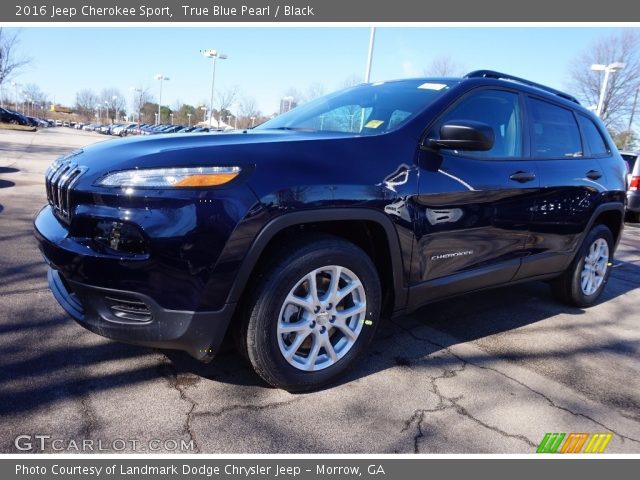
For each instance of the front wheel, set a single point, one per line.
(314, 311)
(583, 282)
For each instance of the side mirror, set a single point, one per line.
(464, 135)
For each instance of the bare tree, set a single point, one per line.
(226, 98)
(248, 112)
(141, 97)
(622, 84)
(37, 97)
(10, 61)
(315, 90)
(114, 101)
(444, 66)
(86, 102)
(297, 95)
(352, 81)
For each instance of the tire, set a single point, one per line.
(585, 279)
(633, 217)
(282, 317)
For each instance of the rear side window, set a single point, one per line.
(554, 131)
(592, 136)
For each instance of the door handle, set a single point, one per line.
(522, 177)
(593, 174)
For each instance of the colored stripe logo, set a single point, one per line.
(574, 442)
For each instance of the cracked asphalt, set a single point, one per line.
(490, 372)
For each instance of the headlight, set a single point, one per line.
(171, 177)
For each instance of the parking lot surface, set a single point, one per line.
(490, 372)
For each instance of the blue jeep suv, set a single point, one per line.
(301, 234)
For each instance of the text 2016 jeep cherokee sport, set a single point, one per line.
(301, 233)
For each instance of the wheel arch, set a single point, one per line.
(611, 215)
(327, 219)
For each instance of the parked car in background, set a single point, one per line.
(15, 118)
(630, 159)
(122, 130)
(633, 185)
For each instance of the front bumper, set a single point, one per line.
(97, 291)
(131, 317)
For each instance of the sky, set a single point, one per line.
(265, 62)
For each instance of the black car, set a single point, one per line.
(301, 234)
(15, 118)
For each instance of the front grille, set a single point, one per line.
(129, 309)
(61, 176)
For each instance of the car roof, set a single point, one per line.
(491, 77)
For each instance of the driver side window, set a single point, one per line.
(497, 108)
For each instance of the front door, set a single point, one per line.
(474, 208)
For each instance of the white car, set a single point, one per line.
(122, 130)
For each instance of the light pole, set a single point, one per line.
(16, 85)
(189, 117)
(253, 121)
(115, 108)
(633, 112)
(214, 54)
(607, 69)
(136, 101)
(171, 115)
(106, 104)
(162, 78)
(372, 38)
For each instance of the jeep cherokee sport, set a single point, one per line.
(301, 234)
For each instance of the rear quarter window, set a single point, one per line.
(592, 137)
(554, 131)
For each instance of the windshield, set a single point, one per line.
(367, 109)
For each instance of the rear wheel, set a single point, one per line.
(583, 282)
(314, 311)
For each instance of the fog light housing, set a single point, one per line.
(120, 236)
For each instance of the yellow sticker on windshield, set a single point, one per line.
(374, 123)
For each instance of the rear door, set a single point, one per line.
(474, 208)
(571, 181)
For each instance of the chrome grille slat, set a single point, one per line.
(60, 178)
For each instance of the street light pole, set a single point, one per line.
(608, 70)
(633, 112)
(372, 38)
(16, 85)
(214, 54)
(189, 117)
(136, 101)
(115, 108)
(160, 77)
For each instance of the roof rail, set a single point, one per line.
(505, 76)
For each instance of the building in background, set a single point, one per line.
(287, 103)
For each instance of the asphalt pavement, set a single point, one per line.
(490, 372)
